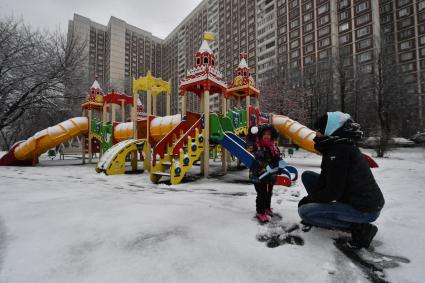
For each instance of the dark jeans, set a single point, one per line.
(264, 196)
(332, 214)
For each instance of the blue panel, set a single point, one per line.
(237, 150)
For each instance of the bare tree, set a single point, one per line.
(283, 93)
(387, 91)
(318, 81)
(34, 69)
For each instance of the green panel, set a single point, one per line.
(238, 117)
(103, 131)
(216, 132)
(226, 124)
(243, 118)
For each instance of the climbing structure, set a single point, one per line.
(243, 88)
(175, 154)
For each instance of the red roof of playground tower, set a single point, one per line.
(204, 75)
(243, 84)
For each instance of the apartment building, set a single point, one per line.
(403, 23)
(118, 51)
(232, 21)
(285, 34)
(266, 30)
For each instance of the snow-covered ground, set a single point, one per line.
(62, 222)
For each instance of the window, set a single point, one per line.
(403, 2)
(406, 34)
(308, 6)
(343, 4)
(323, 54)
(406, 56)
(407, 67)
(366, 69)
(308, 38)
(323, 9)
(294, 23)
(344, 38)
(404, 12)
(386, 18)
(363, 19)
(282, 49)
(324, 42)
(309, 48)
(295, 33)
(385, 8)
(410, 78)
(324, 31)
(294, 44)
(308, 60)
(308, 27)
(405, 23)
(421, 17)
(421, 5)
(344, 27)
(361, 7)
(295, 54)
(363, 57)
(205, 60)
(308, 17)
(294, 3)
(406, 45)
(344, 15)
(324, 20)
(422, 40)
(365, 43)
(270, 45)
(363, 31)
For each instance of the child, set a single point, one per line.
(267, 154)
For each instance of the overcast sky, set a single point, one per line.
(157, 16)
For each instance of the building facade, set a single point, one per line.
(302, 35)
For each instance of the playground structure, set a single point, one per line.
(169, 146)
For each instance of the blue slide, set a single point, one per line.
(237, 139)
(233, 145)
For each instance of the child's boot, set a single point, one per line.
(262, 217)
(268, 212)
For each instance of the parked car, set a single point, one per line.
(372, 142)
(418, 138)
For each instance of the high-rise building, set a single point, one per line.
(403, 23)
(117, 52)
(301, 35)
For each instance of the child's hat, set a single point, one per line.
(267, 127)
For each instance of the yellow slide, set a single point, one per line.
(45, 139)
(296, 132)
(113, 161)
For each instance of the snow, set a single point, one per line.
(243, 64)
(62, 222)
(96, 85)
(109, 155)
(205, 47)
